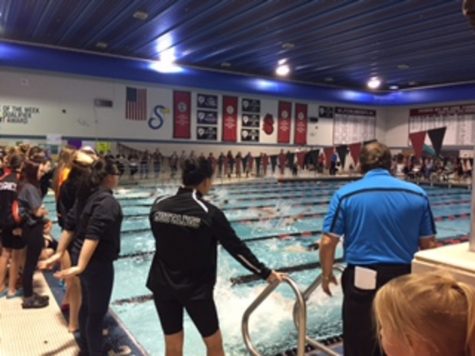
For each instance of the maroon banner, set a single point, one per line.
(328, 155)
(230, 104)
(355, 151)
(417, 140)
(181, 114)
(300, 137)
(284, 122)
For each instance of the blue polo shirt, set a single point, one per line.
(381, 219)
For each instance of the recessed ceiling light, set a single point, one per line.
(140, 15)
(403, 66)
(329, 79)
(374, 83)
(288, 45)
(282, 70)
(226, 64)
(102, 45)
(393, 87)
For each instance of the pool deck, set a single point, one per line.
(34, 331)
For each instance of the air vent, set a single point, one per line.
(103, 103)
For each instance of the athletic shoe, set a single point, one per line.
(34, 302)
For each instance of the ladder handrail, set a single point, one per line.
(306, 294)
(300, 314)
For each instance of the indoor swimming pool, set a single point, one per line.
(279, 222)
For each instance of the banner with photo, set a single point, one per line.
(250, 105)
(325, 112)
(230, 117)
(207, 133)
(207, 101)
(206, 117)
(250, 120)
(181, 114)
(284, 122)
(301, 111)
(250, 135)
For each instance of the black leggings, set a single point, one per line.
(96, 290)
(33, 237)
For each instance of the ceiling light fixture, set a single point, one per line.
(403, 66)
(374, 83)
(288, 45)
(393, 87)
(140, 15)
(282, 61)
(225, 64)
(282, 70)
(102, 45)
(329, 79)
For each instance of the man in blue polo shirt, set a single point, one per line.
(383, 222)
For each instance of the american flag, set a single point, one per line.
(136, 104)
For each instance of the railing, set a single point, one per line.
(300, 314)
(306, 294)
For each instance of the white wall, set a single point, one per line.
(65, 106)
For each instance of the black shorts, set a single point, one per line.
(11, 241)
(202, 313)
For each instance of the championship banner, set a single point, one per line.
(417, 140)
(250, 135)
(206, 117)
(283, 123)
(355, 152)
(207, 101)
(251, 120)
(207, 133)
(300, 137)
(230, 117)
(437, 137)
(181, 114)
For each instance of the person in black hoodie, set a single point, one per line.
(93, 227)
(12, 242)
(187, 230)
(31, 204)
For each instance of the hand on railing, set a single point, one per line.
(326, 280)
(275, 276)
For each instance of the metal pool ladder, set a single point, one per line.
(299, 315)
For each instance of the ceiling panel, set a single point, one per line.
(337, 42)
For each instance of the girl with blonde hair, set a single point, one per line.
(426, 314)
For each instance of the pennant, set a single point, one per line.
(437, 137)
(355, 152)
(328, 155)
(417, 140)
(342, 150)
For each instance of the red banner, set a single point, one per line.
(283, 124)
(300, 137)
(355, 151)
(328, 155)
(181, 114)
(230, 105)
(417, 140)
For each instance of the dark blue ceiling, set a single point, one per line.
(337, 42)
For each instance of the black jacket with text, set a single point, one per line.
(187, 230)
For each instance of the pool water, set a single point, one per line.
(279, 222)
